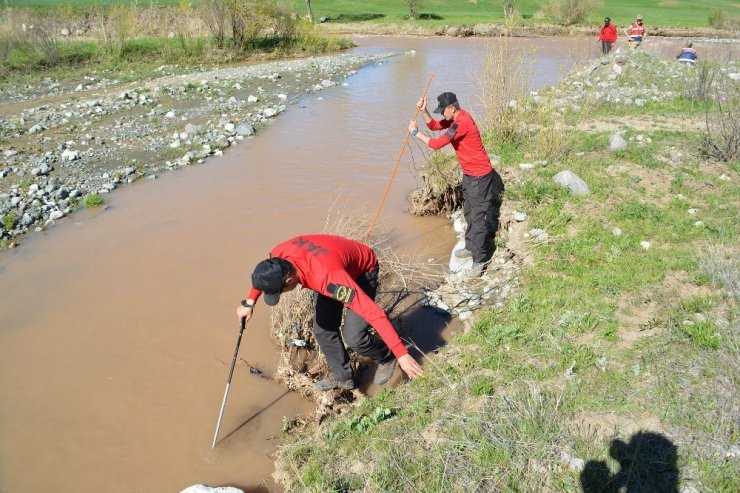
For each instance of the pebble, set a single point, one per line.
(692, 211)
(520, 216)
(526, 166)
(645, 245)
(617, 232)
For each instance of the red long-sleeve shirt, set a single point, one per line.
(608, 33)
(463, 134)
(329, 265)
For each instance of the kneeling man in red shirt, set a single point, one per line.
(342, 273)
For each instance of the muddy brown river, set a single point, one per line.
(117, 326)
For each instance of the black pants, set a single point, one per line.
(482, 196)
(606, 47)
(356, 333)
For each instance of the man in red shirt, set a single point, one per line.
(608, 36)
(483, 187)
(342, 273)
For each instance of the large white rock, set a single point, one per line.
(572, 182)
(201, 488)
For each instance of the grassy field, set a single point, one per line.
(442, 12)
(615, 364)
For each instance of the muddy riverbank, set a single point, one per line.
(63, 143)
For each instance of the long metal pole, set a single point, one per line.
(398, 161)
(228, 382)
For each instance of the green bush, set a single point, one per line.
(570, 11)
(9, 221)
(93, 200)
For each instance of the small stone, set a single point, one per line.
(36, 129)
(328, 83)
(269, 112)
(252, 99)
(699, 224)
(230, 127)
(70, 155)
(520, 216)
(526, 166)
(724, 177)
(245, 130)
(56, 215)
(617, 232)
(282, 96)
(617, 142)
(170, 114)
(693, 212)
(645, 245)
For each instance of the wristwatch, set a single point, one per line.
(414, 132)
(245, 304)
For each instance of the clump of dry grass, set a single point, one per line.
(505, 77)
(440, 190)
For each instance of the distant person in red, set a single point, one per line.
(483, 187)
(637, 32)
(342, 273)
(608, 36)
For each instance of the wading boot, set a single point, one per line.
(463, 253)
(384, 372)
(331, 382)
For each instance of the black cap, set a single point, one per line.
(445, 99)
(269, 277)
(607, 20)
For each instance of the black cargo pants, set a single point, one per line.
(482, 198)
(356, 333)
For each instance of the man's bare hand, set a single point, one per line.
(422, 104)
(409, 365)
(412, 126)
(244, 313)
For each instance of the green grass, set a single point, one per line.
(599, 327)
(93, 200)
(444, 12)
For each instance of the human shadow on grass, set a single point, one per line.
(647, 464)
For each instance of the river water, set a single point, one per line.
(117, 326)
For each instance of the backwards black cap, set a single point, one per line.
(445, 99)
(269, 277)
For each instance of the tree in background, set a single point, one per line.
(510, 8)
(310, 12)
(414, 6)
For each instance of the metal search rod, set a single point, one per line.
(228, 382)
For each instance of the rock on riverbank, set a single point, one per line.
(65, 144)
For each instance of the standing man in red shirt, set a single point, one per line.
(483, 187)
(608, 36)
(342, 273)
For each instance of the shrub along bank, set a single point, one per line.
(616, 362)
(131, 41)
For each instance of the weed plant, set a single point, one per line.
(93, 200)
